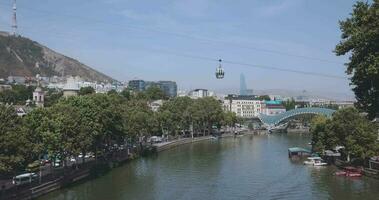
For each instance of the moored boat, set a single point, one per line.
(340, 173)
(353, 172)
(311, 160)
(319, 162)
(349, 172)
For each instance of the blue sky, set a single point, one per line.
(147, 39)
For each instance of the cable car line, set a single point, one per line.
(144, 29)
(231, 62)
(220, 72)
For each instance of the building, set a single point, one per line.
(16, 79)
(199, 93)
(245, 106)
(21, 111)
(155, 105)
(137, 85)
(5, 87)
(243, 86)
(273, 107)
(71, 88)
(39, 96)
(169, 88)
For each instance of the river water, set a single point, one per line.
(249, 167)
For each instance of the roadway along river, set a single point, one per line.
(249, 167)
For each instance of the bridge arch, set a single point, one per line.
(274, 120)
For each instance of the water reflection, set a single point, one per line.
(251, 167)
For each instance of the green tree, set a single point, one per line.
(52, 97)
(18, 95)
(126, 93)
(13, 141)
(207, 112)
(264, 98)
(112, 92)
(137, 118)
(32, 124)
(154, 93)
(360, 40)
(86, 90)
(289, 104)
(346, 128)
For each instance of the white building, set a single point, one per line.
(71, 88)
(198, 93)
(155, 105)
(244, 106)
(39, 97)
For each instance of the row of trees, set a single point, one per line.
(17, 95)
(96, 122)
(347, 128)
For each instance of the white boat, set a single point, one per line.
(214, 138)
(320, 163)
(312, 160)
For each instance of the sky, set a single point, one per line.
(182, 40)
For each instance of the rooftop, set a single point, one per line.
(298, 149)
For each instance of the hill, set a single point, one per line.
(20, 56)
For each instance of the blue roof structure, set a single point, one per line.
(276, 119)
(274, 102)
(298, 149)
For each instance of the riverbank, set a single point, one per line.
(61, 177)
(171, 144)
(227, 168)
(83, 172)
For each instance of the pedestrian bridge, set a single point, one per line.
(274, 120)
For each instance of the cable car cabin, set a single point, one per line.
(220, 72)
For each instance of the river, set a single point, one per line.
(249, 167)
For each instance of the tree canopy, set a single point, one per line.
(360, 40)
(13, 142)
(346, 128)
(95, 123)
(86, 90)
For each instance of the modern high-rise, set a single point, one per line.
(168, 87)
(137, 85)
(243, 87)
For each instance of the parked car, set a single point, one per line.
(24, 178)
(155, 139)
(45, 162)
(57, 163)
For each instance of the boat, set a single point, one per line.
(340, 173)
(298, 152)
(320, 163)
(213, 138)
(349, 172)
(311, 160)
(353, 172)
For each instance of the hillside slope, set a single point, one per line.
(21, 56)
